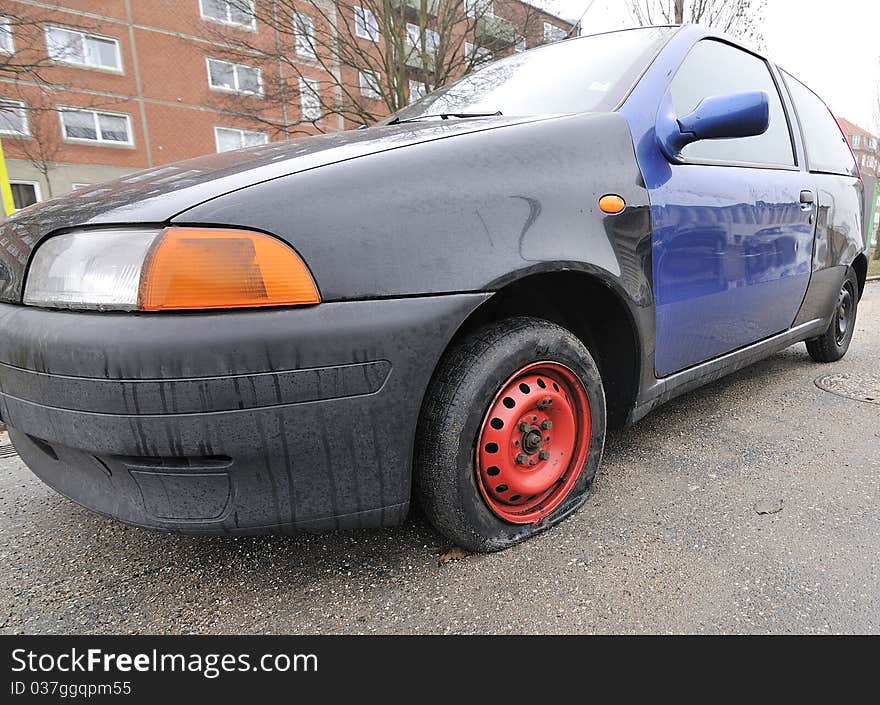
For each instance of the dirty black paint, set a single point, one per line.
(322, 446)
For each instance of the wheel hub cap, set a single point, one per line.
(534, 442)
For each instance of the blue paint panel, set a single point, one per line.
(731, 257)
(731, 247)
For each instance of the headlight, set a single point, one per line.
(93, 269)
(169, 269)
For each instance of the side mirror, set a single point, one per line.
(717, 117)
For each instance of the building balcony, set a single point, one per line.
(414, 7)
(494, 31)
(414, 61)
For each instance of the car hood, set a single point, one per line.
(157, 195)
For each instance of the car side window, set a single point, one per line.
(714, 68)
(827, 150)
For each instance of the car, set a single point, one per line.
(450, 306)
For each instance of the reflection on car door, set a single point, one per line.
(732, 240)
(839, 198)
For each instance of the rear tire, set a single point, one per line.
(495, 461)
(834, 342)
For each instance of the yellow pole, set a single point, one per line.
(5, 189)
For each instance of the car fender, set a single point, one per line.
(468, 213)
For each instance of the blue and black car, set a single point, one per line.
(448, 307)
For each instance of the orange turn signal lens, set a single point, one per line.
(205, 268)
(611, 203)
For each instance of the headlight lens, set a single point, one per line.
(169, 269)
(95, 269)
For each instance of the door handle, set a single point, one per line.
(806, 199)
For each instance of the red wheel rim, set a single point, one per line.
(533, 443)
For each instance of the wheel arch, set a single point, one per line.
(593, 308)
(860, 267)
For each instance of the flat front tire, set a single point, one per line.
(510, 435)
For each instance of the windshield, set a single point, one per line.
(587, 74)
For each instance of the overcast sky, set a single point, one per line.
(831, 45)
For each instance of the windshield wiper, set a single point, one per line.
(442, 116)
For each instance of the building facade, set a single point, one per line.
(866, 149)
(865, 146)
(140, 83)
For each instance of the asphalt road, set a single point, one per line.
(671, 541)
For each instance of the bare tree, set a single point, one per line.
(364, 59)
(43, 149)
(23, 55)
(740, 18)
(28, 74)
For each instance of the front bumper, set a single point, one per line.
(233, 422)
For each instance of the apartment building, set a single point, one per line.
(141, 83)
(865, 146)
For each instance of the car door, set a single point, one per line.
(839, 200)
(732, 239)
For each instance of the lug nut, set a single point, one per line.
(544, 455)
(522, 459)
(524, 427)
(546, 424)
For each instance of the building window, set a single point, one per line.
(309, 98)
(237, 78)
(476, 56)
(67, 46)
(365, 24)
(417, 90)
(239, 13)
(520, 45)
(25, 193)
(7, 44)
(13, 118)
(368, 82)
(479, 8)
(552, 33)
(229, 138)
(857, 141)
(97, 127)
(414, 38)
(304, 35)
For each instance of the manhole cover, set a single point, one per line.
(861, 387)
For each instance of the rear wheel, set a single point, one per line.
(834, 342)
(510, 435)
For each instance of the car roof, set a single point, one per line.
(698, 31)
